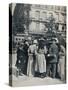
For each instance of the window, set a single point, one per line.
(63, 18)
(63, 9)
(51, 7)
(19, 39)
(37, 5)
(63, 28)
(51, 14)
(44, 15)
(42, 6)
(45, 6)
(37, 26)
(57, 7)
(16, 39)
(57, 26)
(37, 14)
(57, 17)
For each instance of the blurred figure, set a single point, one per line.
(61, 64)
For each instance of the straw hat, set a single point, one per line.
(29, 38)
(35, 41)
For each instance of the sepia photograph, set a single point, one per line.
(37, 44)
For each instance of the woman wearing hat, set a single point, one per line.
(41, 60)
(31, 58)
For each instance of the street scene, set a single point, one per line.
(37, 45)
(24, 80)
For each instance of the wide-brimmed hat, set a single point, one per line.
(35, 41)
(29, 38)
(56, 40)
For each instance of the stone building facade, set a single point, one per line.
(40, 14)
(36, 18)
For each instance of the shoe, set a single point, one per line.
(37, 74)
(42, 76)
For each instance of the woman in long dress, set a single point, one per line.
(31, 62)
(41, 61)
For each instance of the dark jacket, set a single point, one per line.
(53, 51)
(20, 58)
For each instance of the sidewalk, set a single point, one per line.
(34, 81)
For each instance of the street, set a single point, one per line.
(32, 81)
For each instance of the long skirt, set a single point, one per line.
(61, 67)
(40, 63)
(30, 68)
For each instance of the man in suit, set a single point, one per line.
(20, 56)
(52, 59)
(25, 48)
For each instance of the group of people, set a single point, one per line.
(35, 59)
